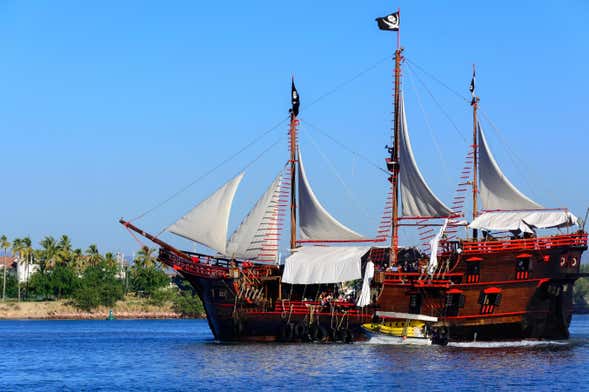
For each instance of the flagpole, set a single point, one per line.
(395, 153)
(474, 103)
(293, 150)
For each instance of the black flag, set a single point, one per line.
(295, 100)
(472, 87)
(390, 22)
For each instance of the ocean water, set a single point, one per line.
(168, 355)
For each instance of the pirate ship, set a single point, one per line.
(510, 278)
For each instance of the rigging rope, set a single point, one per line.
(429, 127)
(250, 163)
(338, 176)
(459, 95)
(520, 165)
(258, 138)
(344, 147)
(439, 106)
(210, 171)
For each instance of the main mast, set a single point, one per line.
(391, 22)
(294, 112)
(475, 158)
(395, 158)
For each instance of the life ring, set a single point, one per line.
(573, 262)
(563, 261)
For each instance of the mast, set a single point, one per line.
(294, 112)
(475, 159)
(395, 153)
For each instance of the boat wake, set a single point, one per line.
(517, 343)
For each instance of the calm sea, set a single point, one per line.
(181, 355)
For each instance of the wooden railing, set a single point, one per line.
(541, 243)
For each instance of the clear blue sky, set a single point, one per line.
(108, 108)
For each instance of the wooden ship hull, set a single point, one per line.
(492, 290)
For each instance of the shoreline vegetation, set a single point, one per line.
(56, 281)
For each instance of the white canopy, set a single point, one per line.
(496, 191)
(417, 197)
(207, 222)
(256, 237)
(323, 264)
(525, 221)
(315, 223)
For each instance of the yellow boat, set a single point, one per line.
(400, 328)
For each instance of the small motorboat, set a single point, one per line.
(400, 328)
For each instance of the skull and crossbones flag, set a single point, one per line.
(390, 22)
(295, 100)
(471, 87)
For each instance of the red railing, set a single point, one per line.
(541, 243)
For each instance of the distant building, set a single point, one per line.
(25, 270)
(7, 262)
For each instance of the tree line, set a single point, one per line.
(88, 279)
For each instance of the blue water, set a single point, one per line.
(167, 355)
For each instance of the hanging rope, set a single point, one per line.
(459, 95)
(440, 106)
(210, 171)
(331, 166)
(250, 163)
(429, 127)
(346, 148)
(520, 165)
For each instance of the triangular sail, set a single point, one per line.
(256, 238)
(496, 191)
(315, 223)
(207, 222)
(417, 197)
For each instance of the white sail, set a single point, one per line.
(496, 191)
(417, 197)
(207, 222)
(256, 237)
(315, 223)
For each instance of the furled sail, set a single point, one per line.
(496, 191)
(256, 237)
(417, 197)
(315, 223)
(207, 222)
(525, 221)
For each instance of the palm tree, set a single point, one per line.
(64, 249)
(4, 244)
(17, 247)
(28, 254)
(48, 252)
(110, 259)
(145, 258)
(93, 254)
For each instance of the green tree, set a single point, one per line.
(145, 257)
(64, 250)
(93, 254)
(145, 281)
(27, 250)
(48, 253)
(98, 286)
(17, 247)
(4, 244)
